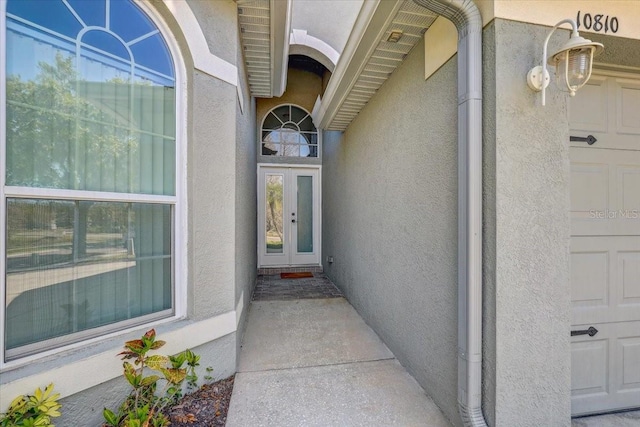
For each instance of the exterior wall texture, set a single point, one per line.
(220, 242)
(390, 221)
(527, 287)
(390, 204)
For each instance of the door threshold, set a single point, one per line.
(266, 271)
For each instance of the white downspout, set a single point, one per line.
(466, 17)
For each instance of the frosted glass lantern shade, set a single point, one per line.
(573, 69)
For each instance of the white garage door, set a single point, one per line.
(605, 245)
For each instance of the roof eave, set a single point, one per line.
(359, 73)
(280, 36)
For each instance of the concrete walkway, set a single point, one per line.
(314, 362)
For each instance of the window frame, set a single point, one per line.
(288, 158)
(178, 204)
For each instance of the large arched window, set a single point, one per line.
(89, 194)
(288, 131)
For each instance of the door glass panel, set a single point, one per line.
(274, 239)
(305, 214)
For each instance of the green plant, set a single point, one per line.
(192, 360)
(32, 410)
(144, 405)
(208, 376)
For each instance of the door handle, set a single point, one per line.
(591, 332)
(588, 139)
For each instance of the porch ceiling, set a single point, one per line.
(369, 59)
(264, 35)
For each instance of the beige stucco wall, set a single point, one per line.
(550, 12)
(303, 88)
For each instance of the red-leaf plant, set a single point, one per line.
(143, 407)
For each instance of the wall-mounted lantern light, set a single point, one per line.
(573, 63)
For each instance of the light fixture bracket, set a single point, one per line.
(535, 78)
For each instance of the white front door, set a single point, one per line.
(288, 216)
(605, 245)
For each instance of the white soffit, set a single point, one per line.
(369, 59)
(264, 36)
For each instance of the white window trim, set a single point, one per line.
(289, 158)
(3, 130)
(179, 201)
(203, 59)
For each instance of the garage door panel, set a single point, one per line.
(590, 279)
(625, 294)
(629, 276)
(605, 369)
(589, 188)
(629, 185)
(605, 245)
(628, 111)
(605, 195)
(591, 276)
(629, 359)
(609, 109)
(605, 279)
(589, 367)
(589, 110)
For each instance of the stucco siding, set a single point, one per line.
(212, 184)
(532, 289)
(219, 23)
(390, 220)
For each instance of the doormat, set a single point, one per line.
(296, 275)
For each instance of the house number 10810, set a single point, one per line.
(597, 22)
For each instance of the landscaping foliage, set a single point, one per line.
(32, 410)
(144, 405)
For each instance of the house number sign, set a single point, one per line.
(597, 22)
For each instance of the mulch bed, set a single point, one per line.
(206, 407)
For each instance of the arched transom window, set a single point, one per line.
(288, 131)
(89, 196)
